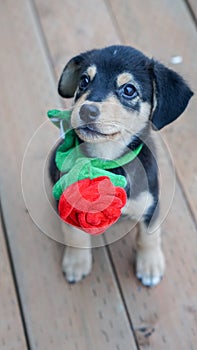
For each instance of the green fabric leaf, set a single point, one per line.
(71, 160)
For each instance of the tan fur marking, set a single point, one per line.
(92, 71)
(124, 78)
(150, 262)
(77, 259)
(117, 123)
(75, 238)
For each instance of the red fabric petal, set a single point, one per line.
(92, 204)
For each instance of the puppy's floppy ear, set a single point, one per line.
(70, 77)
(171, 95)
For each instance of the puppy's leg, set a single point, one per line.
(77, 259)
(150, 263)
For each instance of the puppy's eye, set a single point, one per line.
(129, 91)
(84, 81)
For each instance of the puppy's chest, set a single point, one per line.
(135, 176)
(139, 198)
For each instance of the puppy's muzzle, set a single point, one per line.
(89, 113)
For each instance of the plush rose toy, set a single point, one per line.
(90, 196)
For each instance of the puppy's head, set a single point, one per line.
(118, 91)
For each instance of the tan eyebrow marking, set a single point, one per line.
(124, 78)
(92, 71)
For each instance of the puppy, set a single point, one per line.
(119, 96)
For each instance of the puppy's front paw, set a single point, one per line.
(76, 264)
(150, 266)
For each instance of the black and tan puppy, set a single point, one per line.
(119, 96)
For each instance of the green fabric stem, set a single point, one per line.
(83, 169)
(70, 159)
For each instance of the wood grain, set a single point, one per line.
(74, 27)
(11, 328)
(36, 41)
(170, 309)
(149, 317)
(164, 29)
(58, 316)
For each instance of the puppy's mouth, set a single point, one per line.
(91, 133)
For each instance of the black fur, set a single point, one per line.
(54, 173)
(110, 62)
(172, 95)
(154, 81)
(171, 91)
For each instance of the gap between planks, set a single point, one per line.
(16, 303)
(42, 36)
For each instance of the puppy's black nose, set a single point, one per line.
(89, 112)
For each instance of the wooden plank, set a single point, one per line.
(85, 316)
(11, 329)
(170, 309)
(164, 29)
(148, 308)
(73, 28)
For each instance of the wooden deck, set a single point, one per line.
(109, 309)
